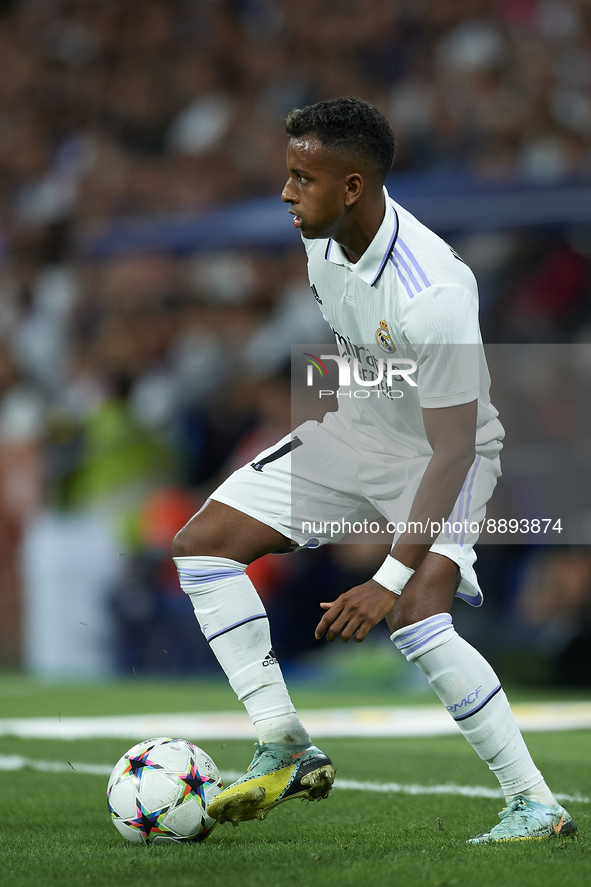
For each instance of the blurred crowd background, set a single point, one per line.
(132, 381)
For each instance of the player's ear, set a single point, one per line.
(354, 185)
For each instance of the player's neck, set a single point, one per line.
(364, 223)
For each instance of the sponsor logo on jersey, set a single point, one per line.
(384, 339)
(371, 374)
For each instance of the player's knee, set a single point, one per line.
(193, 540)
(402, 615)
(206, 535)
(181, 544)
(430, 591)
(409, 612)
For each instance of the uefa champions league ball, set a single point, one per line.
(159, 790)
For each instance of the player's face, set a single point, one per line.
(316, 188)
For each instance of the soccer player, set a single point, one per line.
(387, 286)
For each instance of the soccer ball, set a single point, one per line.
(159, 790)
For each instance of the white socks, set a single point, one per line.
(233, 619)
(472, 694)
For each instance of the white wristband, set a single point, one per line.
(393, 575)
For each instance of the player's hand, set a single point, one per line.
(355, 612)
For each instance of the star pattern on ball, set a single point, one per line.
(157, 792)
(137, 764)
(194, 782)
(148, 822)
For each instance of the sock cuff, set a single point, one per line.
(199, 570)
(421, 637)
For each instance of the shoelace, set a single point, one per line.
(515, 806)
(519, 810)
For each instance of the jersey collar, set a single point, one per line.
(374, 259)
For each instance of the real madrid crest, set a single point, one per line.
(384, 339)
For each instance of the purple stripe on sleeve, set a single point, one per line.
(415, 263)
(402, 280)
(409, 273)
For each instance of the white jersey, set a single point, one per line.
(409, 296)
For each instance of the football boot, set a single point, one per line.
(526, 820)
(276, 774)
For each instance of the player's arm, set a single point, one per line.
(451, 433)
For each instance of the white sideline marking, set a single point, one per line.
(386, 721)
(17, 762)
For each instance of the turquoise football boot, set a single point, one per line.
(526, 820)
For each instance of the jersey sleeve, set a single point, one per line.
(441, 325)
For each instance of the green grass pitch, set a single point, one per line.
(56, 829)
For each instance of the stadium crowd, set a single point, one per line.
(114, 108)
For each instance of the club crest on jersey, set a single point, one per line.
(384, 339)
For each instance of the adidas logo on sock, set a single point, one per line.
(270, 658)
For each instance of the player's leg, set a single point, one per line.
(422, 629)
(253, 512)
(256, 511)
(211, 553)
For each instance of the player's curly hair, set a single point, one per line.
(349, 125)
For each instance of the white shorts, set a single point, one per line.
(311, 480)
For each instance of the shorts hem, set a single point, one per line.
(468, 589)
(252, 512)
